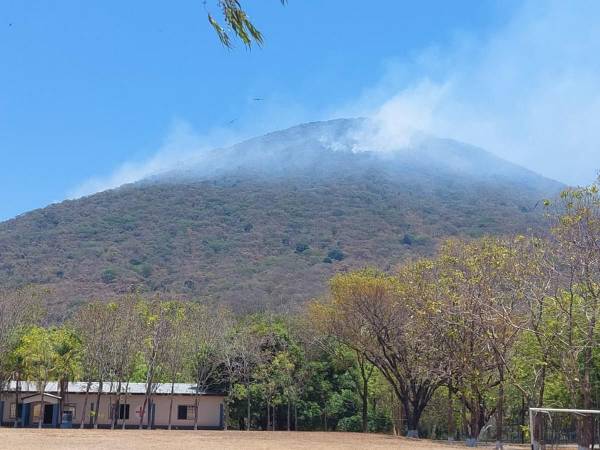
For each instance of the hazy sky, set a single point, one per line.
(96, 93)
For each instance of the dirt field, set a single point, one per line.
(162, 439)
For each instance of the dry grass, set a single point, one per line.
(161, 439)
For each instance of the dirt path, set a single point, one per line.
(161, 439)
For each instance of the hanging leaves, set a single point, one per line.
(237, 24)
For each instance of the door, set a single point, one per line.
(48, 409)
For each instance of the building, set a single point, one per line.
(28, 410)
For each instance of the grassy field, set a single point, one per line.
(162, 439)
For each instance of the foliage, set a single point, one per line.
(460, 343)
(238, 22)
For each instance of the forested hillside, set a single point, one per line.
(264, 224)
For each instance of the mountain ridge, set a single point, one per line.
(269, 231)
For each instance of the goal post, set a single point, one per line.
(556, 428)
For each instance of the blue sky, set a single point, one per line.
(90, 87)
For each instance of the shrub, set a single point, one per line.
(336, 254)
(109, 275)
(302, 247)
(146, 270)
(327, 260)
(350, 424)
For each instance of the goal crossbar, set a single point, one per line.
(580, 411)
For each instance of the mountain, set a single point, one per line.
(265, 223)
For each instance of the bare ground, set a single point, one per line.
(54, 439)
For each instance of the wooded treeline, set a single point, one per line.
(458, 345)
(276, 372)
(497, 324)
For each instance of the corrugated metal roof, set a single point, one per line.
(75, 387)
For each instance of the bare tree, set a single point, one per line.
(242, 355)
(482, 315)
(176, 347)
(156, 330)
(208, 328)
(95, 324)
(125, 342)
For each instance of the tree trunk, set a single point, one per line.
(476, 422)
(295, 417)
(523, 419)
(274, 418)
(85, 402)
(473, 430)
(540, 401)
(125, 402)
(451, 425)
(226, 411)
(143, 413)
(500, 412)
(365, 405)
(585, 424)
(248, 417)
(116, 408)
(43, 404)
(149, 421)
(98, 399)
(289, 422)
(413, 416)
(196, 404)
(149, 381)
(62, 395)
(268, 415)
(396, 416)
(171, 403)
(536, 423)
(17, 391)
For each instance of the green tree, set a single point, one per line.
(67, 367)
(40, 360)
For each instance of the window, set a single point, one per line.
(69, 409)
(123, 411)
(185, 412)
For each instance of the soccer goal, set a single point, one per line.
(553, 428)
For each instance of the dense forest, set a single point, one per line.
(456, 345)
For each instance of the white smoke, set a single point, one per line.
(529, 93)
(182, 146)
